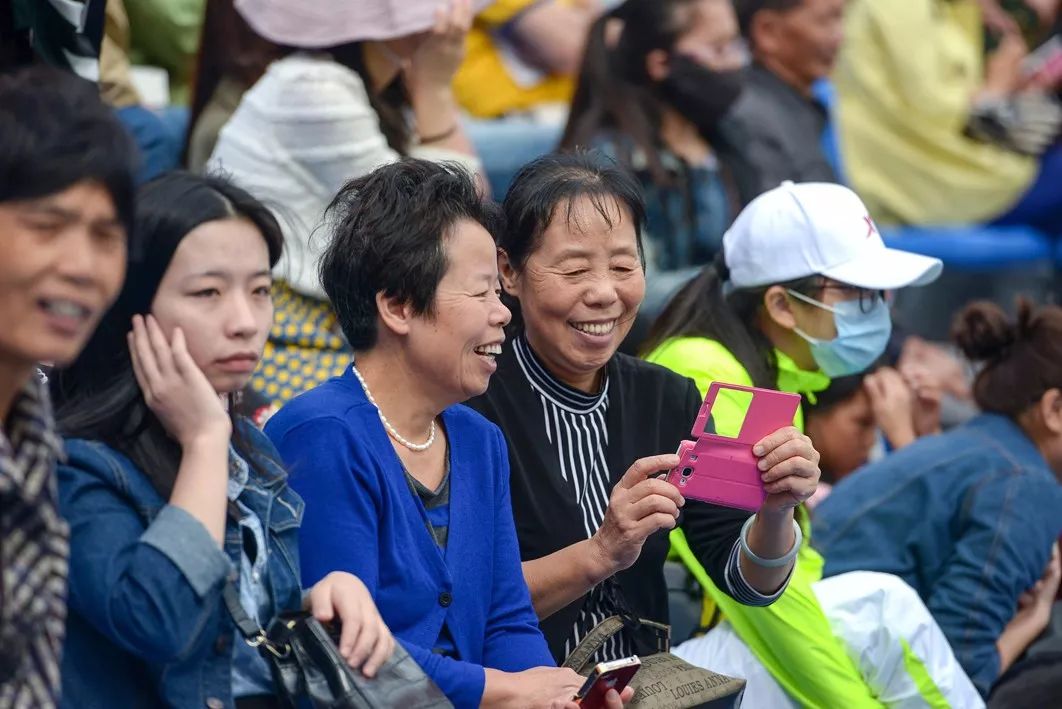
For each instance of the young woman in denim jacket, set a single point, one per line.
(969, 518)
(169, 496)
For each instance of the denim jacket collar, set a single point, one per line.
(1012, 440)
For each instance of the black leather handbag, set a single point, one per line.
(306, 665)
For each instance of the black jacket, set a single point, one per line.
(650, 410)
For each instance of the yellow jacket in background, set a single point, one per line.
(905, 80)
(486, 86)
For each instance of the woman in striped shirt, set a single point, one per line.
(586, 425)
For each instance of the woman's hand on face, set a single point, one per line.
(436, 61)
(928, 391)
(789, 467)
(638, 507)
(365, 641)
(893, 404)
(174, 387)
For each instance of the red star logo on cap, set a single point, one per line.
(871, 228)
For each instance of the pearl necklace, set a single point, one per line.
(418, 447)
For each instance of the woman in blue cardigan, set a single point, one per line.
(403, 487)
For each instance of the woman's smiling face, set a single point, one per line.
(580, 288)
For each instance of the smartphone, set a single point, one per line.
(722, 469)
(1045, 62)
(605, 676)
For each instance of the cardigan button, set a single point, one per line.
(214, 703)
(445, 599)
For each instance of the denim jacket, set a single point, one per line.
(966, 518)
(147, 624)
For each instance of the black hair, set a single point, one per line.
(552, 183)
(702, 309)
(614, 91)
(388, 235)
(841, 389)
(98, 397)
(1022, 355)
(55, 132)
(748, 9)
(390, 103)
(559, 179)
(228, 49)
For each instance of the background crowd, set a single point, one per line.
(392, 310)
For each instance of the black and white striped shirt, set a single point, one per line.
(575, 426)
(574, 423)
(34, 548)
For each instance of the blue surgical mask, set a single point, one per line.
(861, 337)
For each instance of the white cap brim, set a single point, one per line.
(887, 269)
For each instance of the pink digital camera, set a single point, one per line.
(723, 470)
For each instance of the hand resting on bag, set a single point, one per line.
(365, 641)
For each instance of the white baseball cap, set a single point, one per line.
(817, 228)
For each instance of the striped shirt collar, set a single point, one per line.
(28, 443)
(564, 396)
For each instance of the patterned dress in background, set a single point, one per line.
(305, 348)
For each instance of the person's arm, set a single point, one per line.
(341, 516)
(553, 34)
(514, 641)
(1002, 548)
(1034, 615)
(185, 402)
(429, 79)
(149, 589)
(638, 507)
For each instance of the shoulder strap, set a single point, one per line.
(249, 629)
(593, 642)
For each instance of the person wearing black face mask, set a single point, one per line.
(701, 94)
(656, 79)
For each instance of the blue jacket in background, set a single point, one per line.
(147, 626)
(362, 517)
(967, 518)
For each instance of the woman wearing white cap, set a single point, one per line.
(795, 298)
(363, 84)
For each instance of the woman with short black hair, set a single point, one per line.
(404, 487)
(587, 426)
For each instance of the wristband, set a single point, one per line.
(798, 537)
(424, 139)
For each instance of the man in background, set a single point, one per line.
(775, 131)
